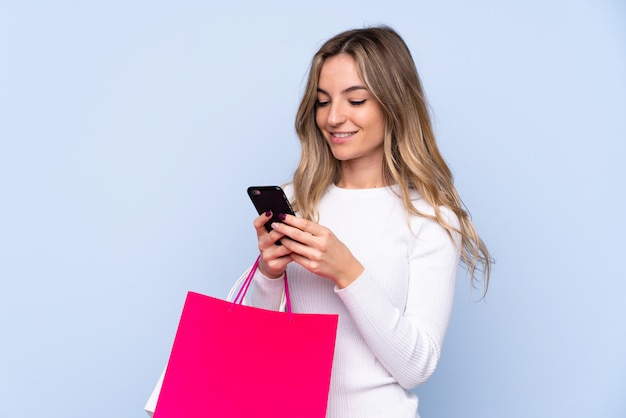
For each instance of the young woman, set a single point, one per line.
(380, 228)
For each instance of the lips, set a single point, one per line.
(341, 137)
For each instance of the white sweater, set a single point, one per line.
(393, 318)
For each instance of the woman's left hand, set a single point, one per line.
(318, 250)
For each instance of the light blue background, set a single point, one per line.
(130, 130)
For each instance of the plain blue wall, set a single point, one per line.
(130, 130)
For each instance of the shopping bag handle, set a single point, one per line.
(246, 285)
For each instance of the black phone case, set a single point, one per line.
(271, 198)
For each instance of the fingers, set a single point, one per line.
(274, 258)
(302, 242)
(260, 221)
(274, 268)
(261, 231)
(303, 231)
(302, 224)
(317, 249)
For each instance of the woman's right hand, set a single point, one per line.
(274, 258)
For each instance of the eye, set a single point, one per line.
(322, 103)
(357, 102)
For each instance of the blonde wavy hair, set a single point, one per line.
(412, 159)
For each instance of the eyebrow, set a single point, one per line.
(348, 90)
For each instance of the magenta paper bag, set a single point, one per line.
(231, 360)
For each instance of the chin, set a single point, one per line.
(342, 157)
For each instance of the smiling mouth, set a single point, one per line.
(342, 134)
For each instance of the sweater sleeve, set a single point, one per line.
(408, 342)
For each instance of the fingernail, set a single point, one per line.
(268, 213)
(282, 216)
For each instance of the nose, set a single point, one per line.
(336, 113)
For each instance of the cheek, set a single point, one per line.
(378, 121)
(370, 120)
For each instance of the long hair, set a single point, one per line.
(411, 157)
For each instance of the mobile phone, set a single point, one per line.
(271, 198)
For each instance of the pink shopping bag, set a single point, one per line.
(231, 360)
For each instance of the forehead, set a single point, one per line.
(339, 71)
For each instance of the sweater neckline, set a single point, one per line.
(394, 188)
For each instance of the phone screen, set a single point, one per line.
(271, 198)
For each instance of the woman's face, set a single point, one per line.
(348, 116)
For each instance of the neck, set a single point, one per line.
(360, 179)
